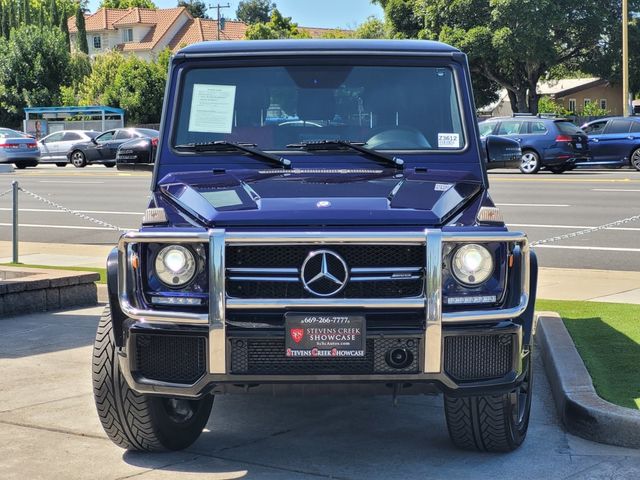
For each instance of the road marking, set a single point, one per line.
(563, 180)
(613, 190)
(64, 227)
(604, 249)
(45, 210)
(74, 182)
(531, 205)
(572, 227)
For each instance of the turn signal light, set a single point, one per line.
(490, 214)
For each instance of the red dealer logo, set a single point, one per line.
(297, 334)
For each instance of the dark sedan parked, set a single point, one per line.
(614, 142)
(104, 147)
(138, 153)
(547, 142)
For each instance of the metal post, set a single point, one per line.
(15, 188)
(625, 58)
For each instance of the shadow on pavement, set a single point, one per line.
(47, 332)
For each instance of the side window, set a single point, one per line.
(509, 127)
(635, 127)
(619, 126)
(572, 104)
(97, 42)
(486, 128)
(105, 137)
(537, 128)
(56, 137)
(71, 136)
(595, 128)
(123, 134)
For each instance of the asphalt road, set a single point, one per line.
(542, 205)
(49, 428)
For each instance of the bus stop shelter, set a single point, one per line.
(41, 121)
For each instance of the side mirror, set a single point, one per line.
(94, 141)
(502, 151)
(136, 155)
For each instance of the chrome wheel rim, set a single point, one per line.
(635, 159)
(528, 162)
(77, 159)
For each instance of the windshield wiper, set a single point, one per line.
(224, 146)
(344, 144)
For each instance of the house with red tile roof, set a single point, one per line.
(146, 32)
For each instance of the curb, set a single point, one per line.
(581, 410)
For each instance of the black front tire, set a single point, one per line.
(78, 159)
(140, 422)
(110, 164)
(635, 159)
(21, 166)
(558, 170)
(490, 423)
(61, 164)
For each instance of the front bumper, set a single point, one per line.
(432, 369)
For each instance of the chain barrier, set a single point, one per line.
(6, 192)
(73, 212)
(578, 233)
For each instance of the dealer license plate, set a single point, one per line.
(324, 335)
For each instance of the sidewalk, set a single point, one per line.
(553, 284)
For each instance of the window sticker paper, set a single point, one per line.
(448, 140)
(212, 108)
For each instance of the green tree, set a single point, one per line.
(127, 4)
(549, 105)
(197, 8)
(64, 27)
(511, 43)
(125, 82)
(372, 27)
(2, 22)
(26, 12)
(277, 27)
(33, 67)
(81, 36)
(53, 13)
(255, 11)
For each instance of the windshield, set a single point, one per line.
(386, 108)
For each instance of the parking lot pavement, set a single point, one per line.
(49, 429)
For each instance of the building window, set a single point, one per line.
(572, 104)
(97, 43)
(587, 101)
(603, 103)
(128, 35)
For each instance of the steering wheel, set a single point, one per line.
(399, 138)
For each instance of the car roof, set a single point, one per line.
(318, 45)
(527, 118)
(619, 117)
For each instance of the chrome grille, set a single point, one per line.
(375, 271)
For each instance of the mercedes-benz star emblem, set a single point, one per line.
(324, 273)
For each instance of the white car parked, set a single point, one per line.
(55, 146)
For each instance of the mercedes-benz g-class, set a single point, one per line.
(319, 220)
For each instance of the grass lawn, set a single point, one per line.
(101, 271)
(607, 336)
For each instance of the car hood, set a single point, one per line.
(321, 196)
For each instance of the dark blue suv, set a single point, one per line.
(552, 143)
(319, 221)
(614, 142)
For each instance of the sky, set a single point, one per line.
(308, 13)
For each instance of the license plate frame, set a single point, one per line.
(325, 335)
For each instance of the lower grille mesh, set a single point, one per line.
(258, 356)
(170, 358)
(478, 357)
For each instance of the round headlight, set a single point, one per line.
(175, 265)
(472, 264)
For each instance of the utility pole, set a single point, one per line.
(625, 57)
(218, 7)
